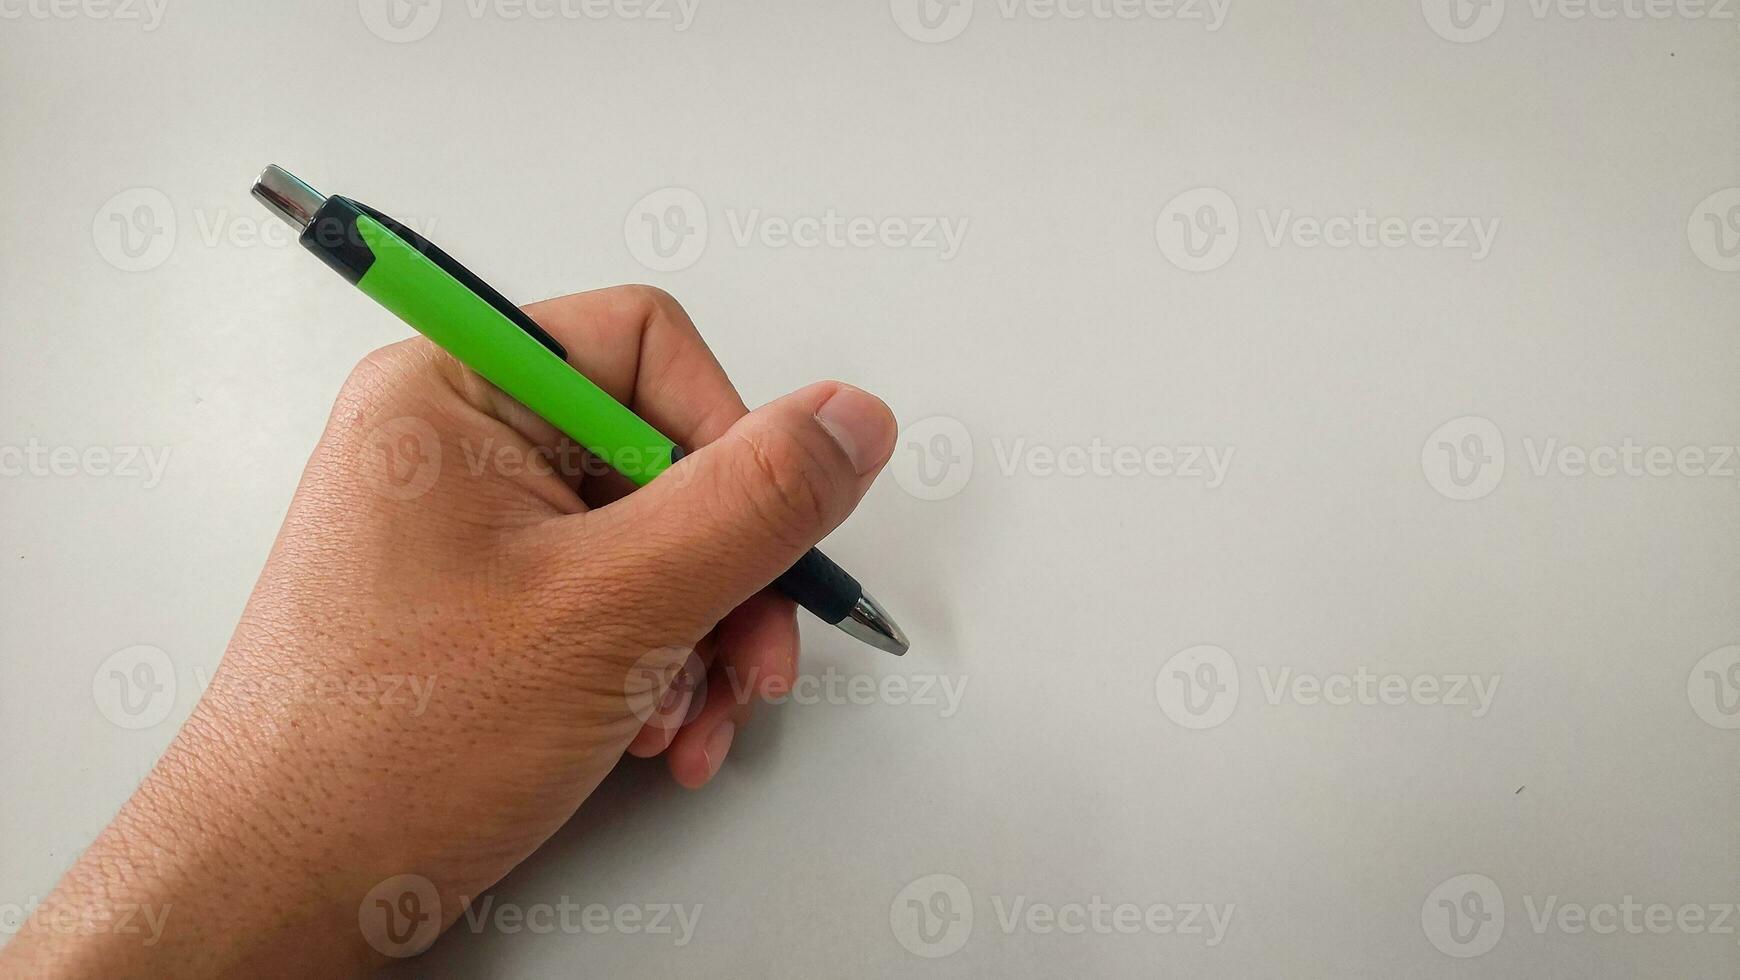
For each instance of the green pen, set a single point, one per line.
(444, 301)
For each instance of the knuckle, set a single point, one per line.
(651, 296)
(379, 381)
(650, 300)
(385, 366)
(389, 423)
(787, 485)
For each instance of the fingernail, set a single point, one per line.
(860, 423)
(717, 745)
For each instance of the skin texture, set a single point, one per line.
(532, 621)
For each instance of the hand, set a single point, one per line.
(453, 642)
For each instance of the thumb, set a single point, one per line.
(728, 518)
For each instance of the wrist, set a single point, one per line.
(199, 874)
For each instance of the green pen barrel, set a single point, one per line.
(443, 309)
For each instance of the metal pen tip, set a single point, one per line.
(287, 196)
(869, 622)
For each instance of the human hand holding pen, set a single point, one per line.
(551, 613)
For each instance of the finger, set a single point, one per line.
(700, 748)
(758, 645)
(725, 521)
(758, 650)
(679, 704)
(639, 345)
(655, 736)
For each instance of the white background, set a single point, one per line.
(1603, 311)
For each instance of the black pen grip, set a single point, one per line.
(820, 586)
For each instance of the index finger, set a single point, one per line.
(639, 345)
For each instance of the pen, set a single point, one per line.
(444, 301)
